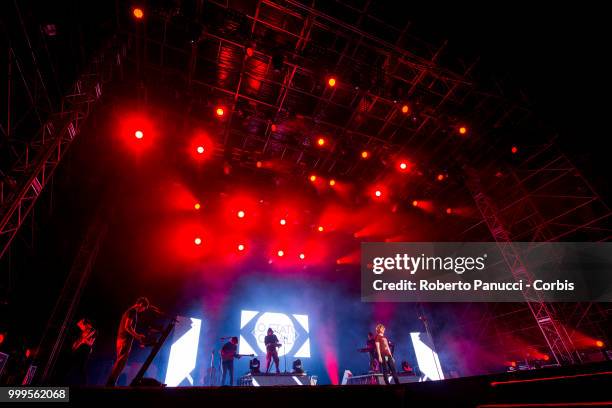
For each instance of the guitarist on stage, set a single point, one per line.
(125, 337)
(271, 342)
(228, 353)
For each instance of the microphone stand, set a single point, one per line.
(285, 352)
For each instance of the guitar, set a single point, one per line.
(274, 345)
(228, 355)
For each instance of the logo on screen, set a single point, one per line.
(291, 329)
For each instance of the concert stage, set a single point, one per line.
(586, 385)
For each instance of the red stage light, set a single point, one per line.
(331, 81)
(449, 210)
(320, 141)
(139, 134)
(138, 13)
(440, 177)
(197, 241)
(332, 182)
(415, 203)
(599, 343)
(302, 256)
(280, 252)
(197, 206)
(514, 149)
(405, 109)
(28, 353)
(219, 111)
(462, 130)
(365, 154)
(2, 337)
(320, 229)
(273, 127)
(546, 357)
(403, 165)
(240, 247)
(378, 193)
(259, 164)
(313, 178)
(200, 149)
(249, 51)
(283, 221)
(240, 214)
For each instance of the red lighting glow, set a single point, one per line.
(283, 221)
(197, 206)
(138, 13)
(415, 203)
(440, 177)
(462, 130)
(321, 141)
(514, 149)
(302, 256)
(220, 112)
(365, 154)
(200, 149)
(546, 357)
(273, 127)
(405, 109)
(320, 229)
(599, 343)
(249, 51)
(280, 252)
(403, 166)
(378, 193)
(241, 247)
(332, 182)
(331, 81)
(240, 214)
(313, 178)
(449, 210)
(197, 241)
(139, 134)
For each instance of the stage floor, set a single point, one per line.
(585, 385)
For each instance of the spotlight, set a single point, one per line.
(197, 206)
(546, 357)
(302, 256)
(313, 178)
(138, 13)
(273, 127)
(599, 343)
(283, 221)
(331, 81)
(138, 134)
(220, 112)
(254, 366)
(240, 247)
(449, 210)
(403, 166)
(297, 367)
(462, 130)
(259, 164)
(405, 109)
(332, 182)
(378, 193)
(365, 154)
(415, 203)
(240, 214)
(197, 241)
(440, 177)
(200, 149)
(249, 52)
(320, 229)
(280, 252)
(514, 149)
(321, 141)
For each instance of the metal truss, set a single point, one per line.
(35, 164)
(559, 343)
